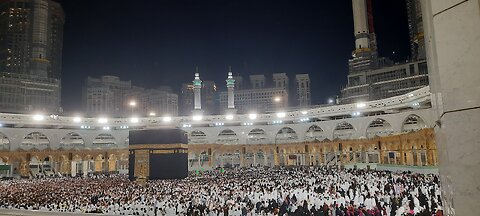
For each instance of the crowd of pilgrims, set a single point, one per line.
(246, 191)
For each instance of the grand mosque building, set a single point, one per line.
(392, 131)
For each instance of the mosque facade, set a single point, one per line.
(392, 131)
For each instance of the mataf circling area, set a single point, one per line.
(244, 191)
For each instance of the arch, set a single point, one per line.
(35, 139)
(413, 123)
(197, 137)
(343, 131)
(76, 157)
(72, 139)
(379, 127)
(257, 136)
(104, 139)
(227, 136)
(286, 135)
(4, 141)
(204, 157)
(315, 132)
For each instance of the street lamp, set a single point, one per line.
(38, 117)
(134, 120)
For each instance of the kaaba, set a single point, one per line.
(157, 154)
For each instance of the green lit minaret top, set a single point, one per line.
(197, 82)
(230, 80)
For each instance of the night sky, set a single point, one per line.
(159, 42)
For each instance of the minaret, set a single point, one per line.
(360, 20)
(230, 86)
(197, 86)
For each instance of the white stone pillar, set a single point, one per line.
(85, 168)
(453, 49)
(73, 170)
(265, 158)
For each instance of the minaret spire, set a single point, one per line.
(197, 86)
(230, 88)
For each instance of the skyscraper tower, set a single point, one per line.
(186, 99)
(415, 27)
(209, 90)
(302, 83)
(257, 81)
(31, 42)
(365, 53)
(280, 80)
(230, 87)
(371, 77)
(197, 87)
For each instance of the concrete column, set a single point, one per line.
(73, 170)
(254, 158)
(211, 157)
(453, 50)
(275, 158)
(242, 159)
(85, 168)
(265, 158)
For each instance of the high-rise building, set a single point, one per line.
(106, 95)
(302, 87)
(209, 90)
(373, 78)
(415, 27)
(280, 80)
(256, 100)
(238, 82)
(31, 40)
(257, 81)
(110, 96)
(186, 99)
(160, 101)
